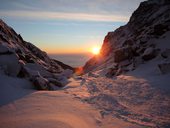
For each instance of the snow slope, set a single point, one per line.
(132, 100)
(12, 89)
(55, 109)
(47, 109)
(126, 98)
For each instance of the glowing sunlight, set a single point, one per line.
(96, 50)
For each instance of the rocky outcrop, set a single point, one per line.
(19, 58)
(149, 54)
(144, 38)
(122, 54)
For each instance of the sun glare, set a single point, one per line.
(96, 50)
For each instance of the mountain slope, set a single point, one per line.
(19, 58)
(145, 37)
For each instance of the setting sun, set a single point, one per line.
(96, 50)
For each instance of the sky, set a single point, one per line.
(66, 26)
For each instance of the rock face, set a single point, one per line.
(145, 37)
(19, 58)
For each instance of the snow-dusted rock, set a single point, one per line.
(124, 63)
(62, 79)
(55, 82)
(149, 54)
(27, 72)
(11, 64)
(32, 67)
(41, 83)
(111, 72)
(122, 54)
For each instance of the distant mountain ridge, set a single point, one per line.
(19, 58)
(145, 37)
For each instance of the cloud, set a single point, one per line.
(48, 15)
(91, 10)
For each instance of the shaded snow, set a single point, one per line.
(47, 109)
(12, 88)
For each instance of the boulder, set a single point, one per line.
(123, 54)
(41, 83)
(149, 54)
(11, 63)
(32, 68)
(27, 72)
(164, 68)
(62, 79)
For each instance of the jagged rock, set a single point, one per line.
(143, 40)
(141, 50)
(166, 53)
(55, 82)
(122, 54)
(149, 54)
(22, 62)
(41, 83)
(124, 63)
(27, 72)
(32, 67)
(119, 71)
(62, 79)
(11, 63)
(111, 72)
(164, 68)
(128, 43)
